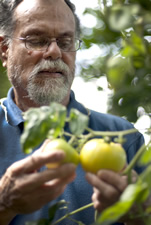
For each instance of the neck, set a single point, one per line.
(24, 103)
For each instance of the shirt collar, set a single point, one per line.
(14, 113)
(76, 105)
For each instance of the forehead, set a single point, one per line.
(44, 15)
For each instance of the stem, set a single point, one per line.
(140, 215)
(111, 133)
(141, 212)
(129, 175)
(73, 212)
(72, 139)
(134, 160)
(145, 173)
(67, 134)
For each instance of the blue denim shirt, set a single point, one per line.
(79, 192)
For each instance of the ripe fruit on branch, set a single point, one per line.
(71, 155)
(96, 154)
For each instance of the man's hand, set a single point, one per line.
(23, 189)
(108, 186)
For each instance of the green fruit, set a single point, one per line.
(71, 155)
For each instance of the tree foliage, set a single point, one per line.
(124, 28)
(4, 83)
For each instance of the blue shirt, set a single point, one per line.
(79, 192)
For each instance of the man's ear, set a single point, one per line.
(3, 51)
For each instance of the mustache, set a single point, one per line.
(56, 65)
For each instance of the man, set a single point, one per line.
(38, 43)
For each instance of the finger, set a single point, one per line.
(107, 197)
(107, 192)
(20, 189)
(30, 202)
(134, 176)
(51, 190)
(36, 161)
(30, 182)
(114, 179)
(100, 204)
(60, 182)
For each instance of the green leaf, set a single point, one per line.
(43, 222)
(112, 214)
(117, 70)
(78, 122)
(146, 157)
(39, 122)
(38, 222)
(145, 177)
(3, 80)
(31, 223)
(53, 209)
(120, 18)
(58, 118)
(127, 199)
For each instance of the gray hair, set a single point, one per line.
(7, 21)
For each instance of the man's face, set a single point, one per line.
(40, 77)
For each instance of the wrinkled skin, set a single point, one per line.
(34, 19)
(107, 187)
(24, 190)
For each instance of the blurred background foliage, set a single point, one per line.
(124, 29)
(4, 83)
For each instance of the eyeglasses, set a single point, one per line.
(66, 44)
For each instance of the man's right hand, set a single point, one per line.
(23, 189)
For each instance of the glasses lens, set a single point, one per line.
(77, 44)
(66, 44)
(37, 44)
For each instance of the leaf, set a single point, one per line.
(43, 222)
(148, 209)
(58, 118)
(41, 121)
(75, 221)
(78, 122)
(145, 177)
(117, 69)
(38, 222)
(31, 223)
(53, 209)
(115, 212)
(112, 214)
(146, 157)
(120, 18)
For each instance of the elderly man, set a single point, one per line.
(38, 44)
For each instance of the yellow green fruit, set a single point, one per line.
(71, 155)
(96, 154)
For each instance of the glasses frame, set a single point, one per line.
(25, 41)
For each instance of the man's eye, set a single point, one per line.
(65, 43)
(40, 42)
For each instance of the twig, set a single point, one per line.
(73, 212)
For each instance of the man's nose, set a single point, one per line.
(53, 51)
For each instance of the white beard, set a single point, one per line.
(45, 90)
